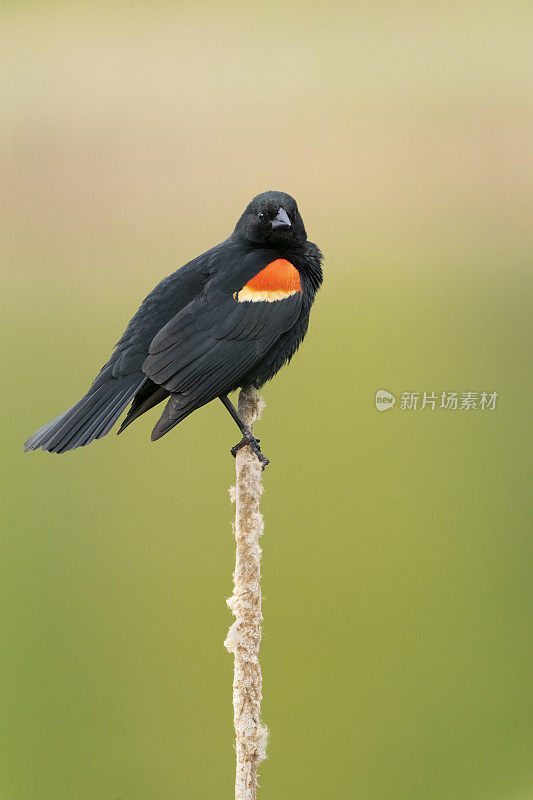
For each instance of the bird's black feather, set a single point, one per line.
(90, 418)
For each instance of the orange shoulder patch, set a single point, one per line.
(277, 281)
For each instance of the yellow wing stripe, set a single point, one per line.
(263, 295)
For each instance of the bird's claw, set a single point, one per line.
(250, 440)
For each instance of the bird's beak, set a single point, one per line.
(282, 220)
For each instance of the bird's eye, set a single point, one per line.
(261, 216)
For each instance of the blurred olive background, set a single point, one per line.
(398, 594)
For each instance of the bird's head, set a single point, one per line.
(272, 219)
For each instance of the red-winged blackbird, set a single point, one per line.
(229, 318)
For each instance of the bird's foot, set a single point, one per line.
(250, 440)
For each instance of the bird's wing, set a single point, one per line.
(168, 298)
(217, 338)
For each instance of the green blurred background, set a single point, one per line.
(397, 652)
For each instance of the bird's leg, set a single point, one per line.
(247, 435)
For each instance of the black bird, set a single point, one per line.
(229, 318)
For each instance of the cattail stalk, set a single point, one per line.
(244, 636)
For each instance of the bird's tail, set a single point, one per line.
(148, 396)
(91, 418)
(178, 407)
